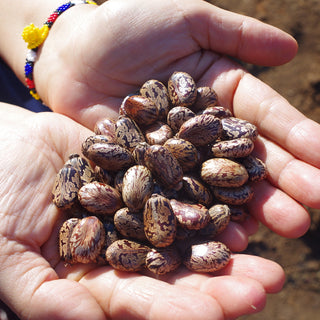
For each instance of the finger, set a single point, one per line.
(278, 211)
(132, 296)
(37, 292)
(277, 120)
(243, 37)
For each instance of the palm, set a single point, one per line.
(45, 288)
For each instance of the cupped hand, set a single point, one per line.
(37, 285)
(85, 71)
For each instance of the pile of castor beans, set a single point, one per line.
(155, 188)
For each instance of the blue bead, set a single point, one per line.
(64, 7)
(28, 69)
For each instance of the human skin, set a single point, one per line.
(92, 58)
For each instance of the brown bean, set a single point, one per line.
(140, 109)
(255, 167)
(100, 198)
(89, 141)
(208, 256)
(64, 239)
(110, 156)
(235, 148)
(206, 97)
(127, 255)
(234, 196)
(223, 172)
(130, 224)
(233, 128)
(158, 93)
(106, 127)
(196, 191)
(139, 152)
(201, 130)
(137, 187)
(219, 219)
(164, 166)
(66, 186)
(185, 152)
(158, 133)
(159, 221)
(182, 89)
(128, 134)
(163, 260)
(217, 111)
(177, 116)
(190, 216)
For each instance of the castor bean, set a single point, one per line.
(201, 129)
(223, 172)
(182, 89)
(206, 97)
(100, 198)
(163, 260)
(127, 255)
(130, 224)
(81, 240)
(158, 133)
(158, 93)
(66, 186)
(140, 109)
(185, 152)
(234, 196)
(217, 111)
(233, 128)
(208, 256)
(195, 190)
(235, 148)
(91, 140)
(159, 221)
(177, 116)
(190, 216)
(110, 156)
(137, 187)
(128, 134)
(255, 167)
(106, 127)
(164, 166)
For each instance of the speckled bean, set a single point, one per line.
(235, 148)
(234, 196)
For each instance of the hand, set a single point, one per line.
(37, 285)
(90, 67)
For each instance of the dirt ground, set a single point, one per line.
(299, 82)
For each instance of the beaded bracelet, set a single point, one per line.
(35, 36)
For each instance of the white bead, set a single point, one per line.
(75, 2)
(31, 55)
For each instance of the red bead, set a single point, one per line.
(30, 83)
(53, 17)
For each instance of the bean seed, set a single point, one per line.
(206, 97)
(158, 93)
(86, 173)
(106, 127)
(208, 256)
(177, 116)
(100, 198)
(255, 167)
(234, 196)
(164, 166)
(66, 187)
(235, 148)
(217, 111)
(158, 133)
(182, 89)
(137, 187)
(140, 109)
(127, 255)
(110, 156)
(200, 130)
(130, 224)
(185, 152)
(93, 140)
(190, 216)
(159, 221)
(233, 128)
(223, 172)
(128, 134)
(163, 260)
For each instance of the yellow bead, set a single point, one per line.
(35, 36)
(34, 95)
(91, 2)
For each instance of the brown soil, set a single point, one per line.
(299, 82)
